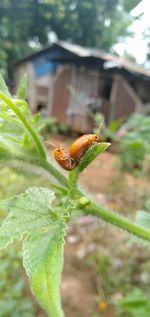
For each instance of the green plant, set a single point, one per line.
(143, 216)
(100, 262)
(63, 128)
(108, 131)
(49, 126)
(39, 217)
(135, 303)
(12, 282)
(135, 142)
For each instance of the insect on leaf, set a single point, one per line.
(89, 156)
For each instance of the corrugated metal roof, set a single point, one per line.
(119, 62)
(83, 52)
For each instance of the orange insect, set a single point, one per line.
(64, 159)
(78, 148)
(70, 160)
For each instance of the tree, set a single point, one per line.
(90, 23)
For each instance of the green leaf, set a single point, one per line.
(36, 119)
(134, 298)
(43, 261)
(37, 122)
(3, 86)
(59, 189)
(31, 219)
(27, 212)
(143, 219)
(131, 4)
(89, 156)
(135, 303)
(21, 93)
(11, 152)
(16, 110)
(11, 129)
(15, 141)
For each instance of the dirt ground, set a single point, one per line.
(100, 263)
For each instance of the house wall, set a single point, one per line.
(106, 110)
(39, 89)
(83, 86)
(50, 91)
(143, 89)
(60, 99)
(123, 99)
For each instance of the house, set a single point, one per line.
(70, 82)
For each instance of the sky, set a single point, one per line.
(137, 46)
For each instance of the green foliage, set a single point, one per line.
(112, 128)
(49, 126)
(32, 220)
(21, 93)
(101, 263)
(63, 128)
(25, 24)
(131, 4)
(109, 131)
(143, 217)
(135, 303)
(16, 142)
(3, 86)
(135, 143)
(12, 282)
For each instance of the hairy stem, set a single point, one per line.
(93, 209)
(119, 221)
(99, 211)
(20, 115)
(59, 176)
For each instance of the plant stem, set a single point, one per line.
(60, 177)
(99, 211)
(27, 125)
(117, 220)
(93, 209)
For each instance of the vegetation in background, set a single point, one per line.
(108, 132)
(135, 142)
(25, 24)
(134, 304)
(13, 300)
(50, 126)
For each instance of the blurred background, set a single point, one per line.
(87, 62)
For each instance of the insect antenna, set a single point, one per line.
(50, 145)
(100, 127)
